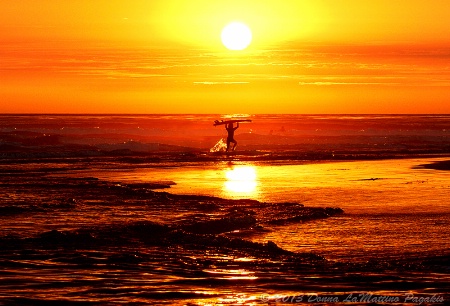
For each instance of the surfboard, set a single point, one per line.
(221, 122)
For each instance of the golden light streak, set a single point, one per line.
(241, 180)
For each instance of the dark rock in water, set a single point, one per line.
(225, 244)
(246, 202)
(65, 204)
(11, 210)
(223, 225)
(144, 226)
(57, 237)
(144, 231)
(305, 214)
(71, 201)
(163, 196)
(440, 261)
(53, 235)
(147, 231)
(24, 301)
(290, 204)
(273, 247)
(331, 211)
(52, 205)
(125, 258)
(151, 185)
(238, 211)
(207, 206)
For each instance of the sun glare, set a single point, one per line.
(236, 36)
(241, 180)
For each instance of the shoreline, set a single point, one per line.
(136, 158)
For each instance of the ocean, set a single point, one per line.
(148, 209)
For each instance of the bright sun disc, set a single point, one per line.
(236, 36)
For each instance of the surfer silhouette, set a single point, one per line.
(230, 139)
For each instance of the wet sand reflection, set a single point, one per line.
(241, 181)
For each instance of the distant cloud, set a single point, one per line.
(218, 83)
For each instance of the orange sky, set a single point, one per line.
(166, 56)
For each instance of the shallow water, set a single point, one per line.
(358, 187)
(391, 207)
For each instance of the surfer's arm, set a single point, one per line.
(237, 125)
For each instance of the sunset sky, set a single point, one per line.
(312, 56)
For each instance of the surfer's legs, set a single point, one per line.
(235, 144)
(231, 140)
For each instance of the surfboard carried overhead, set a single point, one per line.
(221, 122)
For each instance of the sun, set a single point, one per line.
(236, 36)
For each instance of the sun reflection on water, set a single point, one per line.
(241, 180)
